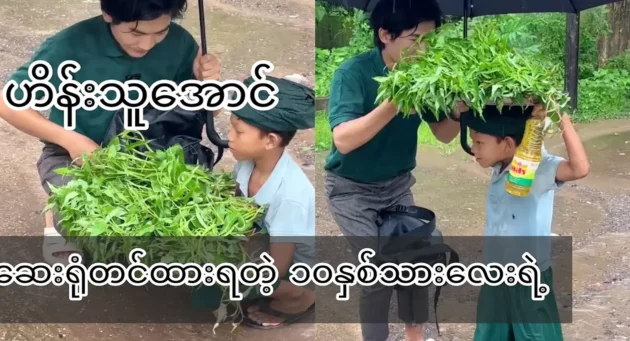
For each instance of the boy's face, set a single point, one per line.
(248, 142)
(395, 47)
(490, 150)
(137, 38)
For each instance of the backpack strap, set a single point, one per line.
(437, 249)
(454, 258)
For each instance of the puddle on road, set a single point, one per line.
(238, 42)
(610, 155)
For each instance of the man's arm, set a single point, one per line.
(446, 130)
(32, 122)
(353, 134)
(576, 166)
(351, 127)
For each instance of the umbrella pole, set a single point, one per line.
(202, 25)
(211, 132)
(466, 16)
(572, 59)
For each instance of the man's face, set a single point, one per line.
(246, 141)
(137, 38)
(394, 48)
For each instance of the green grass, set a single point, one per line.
(323, 136)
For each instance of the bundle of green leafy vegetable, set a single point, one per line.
(152, 200)
(128, 195)
(480, 70)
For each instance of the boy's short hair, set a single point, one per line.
(285, 136)
(142, 10)
(510, 122)
(396, 16)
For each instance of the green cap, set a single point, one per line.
(295, 109)
(511, 120)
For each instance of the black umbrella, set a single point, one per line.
(211, 132)
(473, 8)
(488, 7)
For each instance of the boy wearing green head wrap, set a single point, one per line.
(508, 312)
(266, 172)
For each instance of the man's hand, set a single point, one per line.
(460, 108)
(207, 67)
(79, 145)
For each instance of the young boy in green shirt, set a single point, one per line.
(508, 313)
(266, 172)
(132, 39)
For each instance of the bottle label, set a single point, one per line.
(522, 172)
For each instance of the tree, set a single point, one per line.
(617, 41)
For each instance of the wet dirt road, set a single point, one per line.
(592, 211)
(239, 33)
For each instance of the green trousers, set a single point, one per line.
(525, 319)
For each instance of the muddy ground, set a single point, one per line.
(593, 211)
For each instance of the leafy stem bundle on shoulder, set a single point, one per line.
(479, 71)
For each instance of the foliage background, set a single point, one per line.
(604, 90)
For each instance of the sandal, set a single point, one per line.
(289, 319)
(53, 243)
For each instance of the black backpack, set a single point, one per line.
(407, 234)
(176, 126)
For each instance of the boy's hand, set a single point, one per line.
(539, 111)
(207, 67)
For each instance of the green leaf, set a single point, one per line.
(69, 197)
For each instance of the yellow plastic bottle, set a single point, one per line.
(526, 159)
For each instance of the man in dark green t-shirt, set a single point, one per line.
(131, 40)
(374, 147)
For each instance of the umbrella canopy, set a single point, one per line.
(490, 7)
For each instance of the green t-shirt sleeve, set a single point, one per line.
(54, 52)
(346, 98)
(185, 71)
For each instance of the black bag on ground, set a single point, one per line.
(407, 234)
(176, 126)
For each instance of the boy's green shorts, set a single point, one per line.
(507, 313)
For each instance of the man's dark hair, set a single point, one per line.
(396, 16)
(285, 136)
(142, 10)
